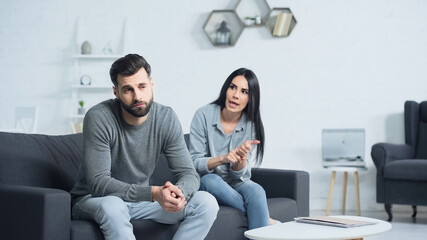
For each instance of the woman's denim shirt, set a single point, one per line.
(208, 140)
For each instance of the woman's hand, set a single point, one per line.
(242, 151)
(244, 148)
(232, 157)
(217, 161)
(236, 156)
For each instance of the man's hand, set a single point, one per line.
(169, 196)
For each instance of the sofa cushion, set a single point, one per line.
(228, 218)
(276, 207)
(85, 230)
(147, 229)
(408, 169)
(51, 161)
(142, 228)
(423, 111)
(162, 173)
(40, 160)
(421, 149)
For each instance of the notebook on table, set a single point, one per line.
(334, 221)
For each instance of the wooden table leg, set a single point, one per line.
(344, 192)
(331, 187)
(356, 182)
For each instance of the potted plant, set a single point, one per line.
(81, 110)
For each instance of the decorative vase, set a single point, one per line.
(81, 111)
(86, 48)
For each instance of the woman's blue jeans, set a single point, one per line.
(248, 197)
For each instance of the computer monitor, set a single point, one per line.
(343, 147)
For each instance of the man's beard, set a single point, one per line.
(139, 111)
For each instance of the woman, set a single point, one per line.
(226, 137)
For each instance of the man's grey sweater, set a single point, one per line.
(118, 159)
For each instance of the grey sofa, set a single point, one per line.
(38, 171)
(402, 168)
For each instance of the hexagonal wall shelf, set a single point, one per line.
(253, 12)
(223, 28)
(281, 22)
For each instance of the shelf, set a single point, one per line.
(77, 116)
(282, 27)
(97, 57)
(253, 12)
(216, 30)
(247, 13)
(92, 87)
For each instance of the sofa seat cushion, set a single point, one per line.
(142, 228)
(276, 207)
(227, 218)
(85, 230)
(408, 169)
(282, 209)
(148, 229)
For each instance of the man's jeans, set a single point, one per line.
(114, 215)
(248, 197)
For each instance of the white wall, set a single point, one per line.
(347, 64)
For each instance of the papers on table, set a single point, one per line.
(334, 221)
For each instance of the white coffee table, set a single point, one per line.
(304, 231)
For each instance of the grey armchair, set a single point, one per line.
(402, 168)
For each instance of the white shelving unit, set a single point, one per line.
(100, 88)
(96, 65)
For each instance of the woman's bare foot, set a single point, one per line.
(272, 221)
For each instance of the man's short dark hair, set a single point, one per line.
(128, 66)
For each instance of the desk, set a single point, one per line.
(304, 231)
(356, 182)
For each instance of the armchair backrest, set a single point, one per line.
(416, 127)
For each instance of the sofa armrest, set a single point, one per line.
(285, 183)
(383, 153)
(34, 213)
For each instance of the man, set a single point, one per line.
(122, 138)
